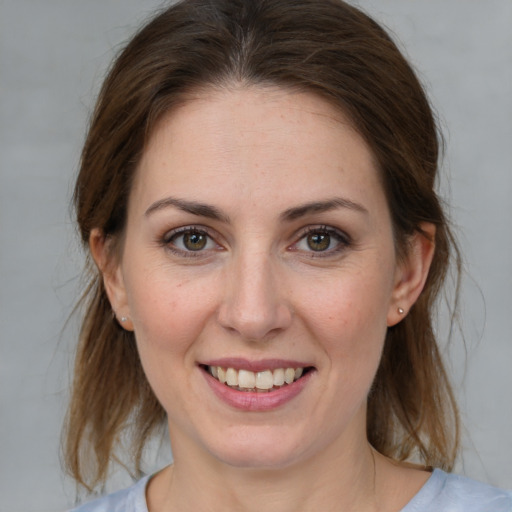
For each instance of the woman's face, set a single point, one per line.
(258, 243)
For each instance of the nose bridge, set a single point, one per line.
(254, 305)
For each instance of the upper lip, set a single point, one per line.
(254, 366)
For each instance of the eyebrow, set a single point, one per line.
(321, 206)
(291, 214)
(199, 209)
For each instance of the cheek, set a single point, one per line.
(168, 309)
(169, 314)
(348, 318)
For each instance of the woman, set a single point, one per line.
(257, 193)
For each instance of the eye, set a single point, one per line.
(323, 240)
(318, 241)
(194, 241)
(189, 240)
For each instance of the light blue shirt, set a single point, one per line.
(442, 492)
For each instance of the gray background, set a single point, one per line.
(53, 54)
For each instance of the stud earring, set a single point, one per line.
(400, 311)
(124, 318)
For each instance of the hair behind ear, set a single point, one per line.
(412, 396)
(106, 359)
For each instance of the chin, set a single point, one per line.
(258, 450)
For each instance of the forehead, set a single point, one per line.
(255, 140)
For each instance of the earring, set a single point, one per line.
(400, 311)
(124, 318)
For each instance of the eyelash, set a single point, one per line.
(342, 239)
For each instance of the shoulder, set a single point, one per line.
(131, 499)
(445, 492)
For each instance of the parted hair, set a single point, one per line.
(328, 48)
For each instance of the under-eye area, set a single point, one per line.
(259, 382)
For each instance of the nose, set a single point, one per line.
(254, 305)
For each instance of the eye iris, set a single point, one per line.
(194, 241)
(319, 241)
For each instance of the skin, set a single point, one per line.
(258, 290)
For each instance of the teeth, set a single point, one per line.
(289, 375)
(278, 377)
(231, 377)
(264, 381)
(246, 379)
(221, 374)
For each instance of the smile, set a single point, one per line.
(261, 382)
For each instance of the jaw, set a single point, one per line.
(261, 463)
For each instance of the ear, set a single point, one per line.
(412, 272)
(110, 269)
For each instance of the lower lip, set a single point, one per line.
(253, 401)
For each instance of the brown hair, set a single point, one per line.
(326, 47)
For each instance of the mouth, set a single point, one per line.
(265, 381)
